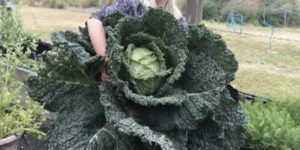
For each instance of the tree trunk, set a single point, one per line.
(194, 11)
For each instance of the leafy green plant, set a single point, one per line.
(56, 3)
(212, 10)
(12, 37)
(168, 88)
(16, 116)
(12, 33)
(292, 106)
(271, 127)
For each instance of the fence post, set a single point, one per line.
(194, 11)
(285, 18)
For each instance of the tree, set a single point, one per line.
(194, 11)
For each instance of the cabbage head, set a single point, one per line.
(146, 69)
(168, 90)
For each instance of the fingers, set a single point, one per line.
(105, 77)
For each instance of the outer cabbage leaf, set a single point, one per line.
(80, 113)
(197, 108)
(120, 113)
(72, 59)
(66, 85)
(225, 130)
(49, 92)
(202, 74)
(202, 40)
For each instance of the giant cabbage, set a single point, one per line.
(168, 88)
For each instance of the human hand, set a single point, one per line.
(104, 76)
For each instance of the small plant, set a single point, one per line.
(12, 37)
(10, 28)
(291, 105)
(271, 127)
(16, 116)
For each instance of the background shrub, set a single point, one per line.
(211, 10)
(250, 14)
(56, 3)
(11, 30)
(271, 127)
(292, 106)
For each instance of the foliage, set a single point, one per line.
(12, 37)
(191, 108)
(292, 106)
(15, 115)
(250, 14)
(271, 127)
(274, 11)
(211, 10)
(12, 34)
(56, 3)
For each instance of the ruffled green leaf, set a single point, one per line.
(202, 40)
(80, 113)
(202, 74)
(71, 59)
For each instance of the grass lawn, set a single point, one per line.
(276, 77)
(41, 22)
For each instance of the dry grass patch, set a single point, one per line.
(43, 21)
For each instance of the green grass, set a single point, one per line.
(277, 77)
(261, 83)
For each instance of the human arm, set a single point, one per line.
(98, 39)
(97, 35)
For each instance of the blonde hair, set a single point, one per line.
(171, 7)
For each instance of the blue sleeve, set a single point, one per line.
(128, 7)
(182, 22)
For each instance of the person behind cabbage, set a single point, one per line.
(130, 8)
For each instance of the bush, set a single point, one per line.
(83, 3)
(292, 106)
(13, 37)
(273, 17)
(11, 31)
(271, 127)
(16, 115)
(250, 14)
(211, 10)
(219, 10)
(56, 3)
